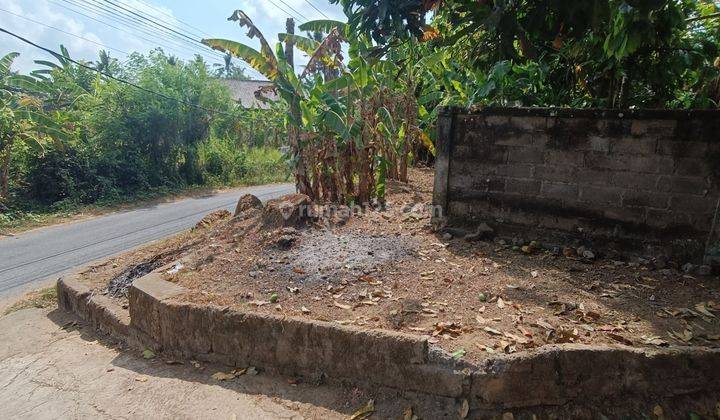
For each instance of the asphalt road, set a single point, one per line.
(32, 257)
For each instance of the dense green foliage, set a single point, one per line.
(355, 123)
(351, 126)
(93, 139)
(586, 53)
(351, 122)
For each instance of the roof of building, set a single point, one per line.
(243, 91)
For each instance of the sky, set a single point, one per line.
(124, 26)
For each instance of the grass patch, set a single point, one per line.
(43, 298)
(237, 168)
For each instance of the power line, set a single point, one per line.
(117, 79)
(293, 9)
(156, 23)
(172, 16)
(65, 32)
(172, 21)
(115, 17)
(118, 28)
(285, 11)
(155, 42)
(115, 14)
(152, 19)
(315, 7)
(117, 9)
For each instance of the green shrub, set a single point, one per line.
(225, 163)
(267, 165)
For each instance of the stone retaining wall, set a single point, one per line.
(647, 175)
(553, 376)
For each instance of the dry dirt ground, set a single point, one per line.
(391, 269)
(54, 367)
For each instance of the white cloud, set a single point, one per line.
(80, 32)
(39, 11)
(89, 35)
(270, 17)
(300, 9)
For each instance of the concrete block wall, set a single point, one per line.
(643, 175)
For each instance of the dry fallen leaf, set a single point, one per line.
(566, 335)
(700, 307)
(222, 376)
(364, 412)
(658, 412)
(341, 306)
(449, 328)
(619, 338)
(686, 336)
(543, 324)
(464, 409)
(408, 414)
(492, 331)
(654, 341)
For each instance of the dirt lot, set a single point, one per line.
(391, 269)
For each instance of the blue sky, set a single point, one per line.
(192, 18)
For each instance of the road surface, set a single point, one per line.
(53, 369)
(31, 258)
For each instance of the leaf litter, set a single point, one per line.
(384, 270)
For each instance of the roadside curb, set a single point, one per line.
(553, 375)
(98, 310)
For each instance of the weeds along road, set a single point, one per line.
(34, 256)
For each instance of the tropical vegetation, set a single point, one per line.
(355, 123)
(360, 112)
(71, 136)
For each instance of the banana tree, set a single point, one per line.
(22, 119)
(275, 67)
(343, 149)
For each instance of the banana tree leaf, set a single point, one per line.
(360, 75)
(33, 142)
(268, 66)
(430, 97)
(6, 62)
(333, 103)
(387, 119)
(29, 84)
(381, 127)
(338, 84)
(431, 60)
(381, 180)
(304, 44)
(324, 26)
(253, 32)
(336, 123)
(287, 73)
(427, 142)
(48, 64)
(43, 124)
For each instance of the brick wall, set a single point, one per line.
(640, 175)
